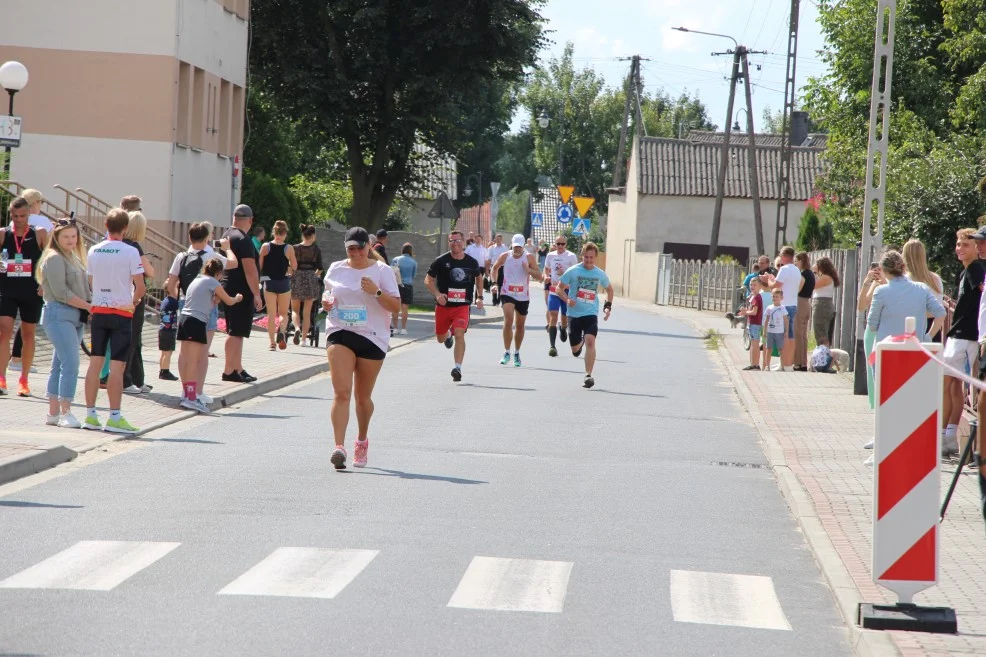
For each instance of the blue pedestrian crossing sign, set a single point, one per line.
(564, 214)
(582, 227)
(537, 219)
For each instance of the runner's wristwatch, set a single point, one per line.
(378, 293)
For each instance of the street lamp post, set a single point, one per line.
(736, 123)
(544, 121)
(13, 78)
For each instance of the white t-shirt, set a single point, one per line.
(355, 310)
(557, 264)
(480, 253)
(112, 266)
(790, 278)
(773, 318)
(40, 221)
(210, 253)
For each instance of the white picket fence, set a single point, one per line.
(700, 285)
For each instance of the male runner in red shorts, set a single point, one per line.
(454, 279)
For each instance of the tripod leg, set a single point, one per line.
(966, 455)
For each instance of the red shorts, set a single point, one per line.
(451, 317)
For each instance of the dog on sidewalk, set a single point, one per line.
(735, 320)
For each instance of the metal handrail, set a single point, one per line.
(102, 207)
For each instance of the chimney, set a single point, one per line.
(799, 128)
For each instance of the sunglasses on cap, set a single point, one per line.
(65, 222)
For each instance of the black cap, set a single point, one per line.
(381, 234)
(980, 234)
(242, 211)
(357, 236)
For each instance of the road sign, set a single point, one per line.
(566, 191)
(10, 131)
(564, 214)
(582, 227)
(537, 220)
(443, 208)
(583, 204)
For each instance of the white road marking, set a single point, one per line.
(302, 573)
(90, 565)
(725, 599)
(513, 585)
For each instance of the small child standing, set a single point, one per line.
(754, 322)
(775, 317)
(166, 333)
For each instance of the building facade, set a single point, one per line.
(139, 97)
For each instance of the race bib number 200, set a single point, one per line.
(353, 316)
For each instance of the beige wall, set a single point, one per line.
(116, 26)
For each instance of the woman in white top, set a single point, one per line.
(916, 263)
(360, 296)
(823, 300)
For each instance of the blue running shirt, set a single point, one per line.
(583, 286)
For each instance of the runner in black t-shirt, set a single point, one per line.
(455, 279)
(243, 279)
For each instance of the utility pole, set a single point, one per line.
(724, 157)
(633, 86)
(790, 89)
(752, 154)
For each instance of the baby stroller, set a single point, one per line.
(317, 319)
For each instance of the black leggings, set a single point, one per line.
(133, 373)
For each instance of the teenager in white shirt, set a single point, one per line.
(789, 282)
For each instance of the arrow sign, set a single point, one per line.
(537, 220)
(566, 191)
(583, 204)
(564, 214)
(582, 226)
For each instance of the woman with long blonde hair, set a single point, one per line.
(916, 264)
(65, 285)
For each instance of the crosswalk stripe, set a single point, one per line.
(726, 599)
(90, 565)
(513, 585)
(302, 573)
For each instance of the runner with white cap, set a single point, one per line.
(515, 294)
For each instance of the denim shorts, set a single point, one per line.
(755, 330)
(792, 311)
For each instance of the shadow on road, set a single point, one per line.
(36, 505)
(413, 475)
(603, 329)
(199, 441)
(260, 416)
(629, 394)
(476, 385)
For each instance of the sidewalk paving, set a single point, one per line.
(813, 428)
(28, 446)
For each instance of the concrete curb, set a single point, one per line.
(847, 596)
(42, 460)
(39, 461)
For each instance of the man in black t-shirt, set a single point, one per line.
(243, 279)
(962, 346)
(455, 279)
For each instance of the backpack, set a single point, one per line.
(821, 359)
(190, 268)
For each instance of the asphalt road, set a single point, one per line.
(512, 514)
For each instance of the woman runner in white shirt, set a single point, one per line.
(360, 295)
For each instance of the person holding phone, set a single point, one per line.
(360, 296)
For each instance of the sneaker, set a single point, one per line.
(69, 421)
(789, 368)
(456, 374)
(449, 341)
(205, 398)
(51, 420)
(132, 390)
(120, 426)
(233, 377)
(869, 445)
(144, 389)
(297, 337)
(23, 390)
(588, 382)
(359, 457)
(188, 403)
(751, 367)
(403, 331)
(338, 458)
(92, 423)
(246, 377)
(14, 366)
(563, 334)
(552, 352)
(3, 385)
(516, 360)
(282, 341)
(505, 359)
(166, 375)
(949, 445)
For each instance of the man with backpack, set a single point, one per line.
(187, 266)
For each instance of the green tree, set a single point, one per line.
(384, 76)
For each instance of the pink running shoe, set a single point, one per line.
(359, 458)
(338, 458)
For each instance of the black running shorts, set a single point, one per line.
(579, 327)
(111, 332)
(520, 307)
(356, 343)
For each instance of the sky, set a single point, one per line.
(602, 32)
